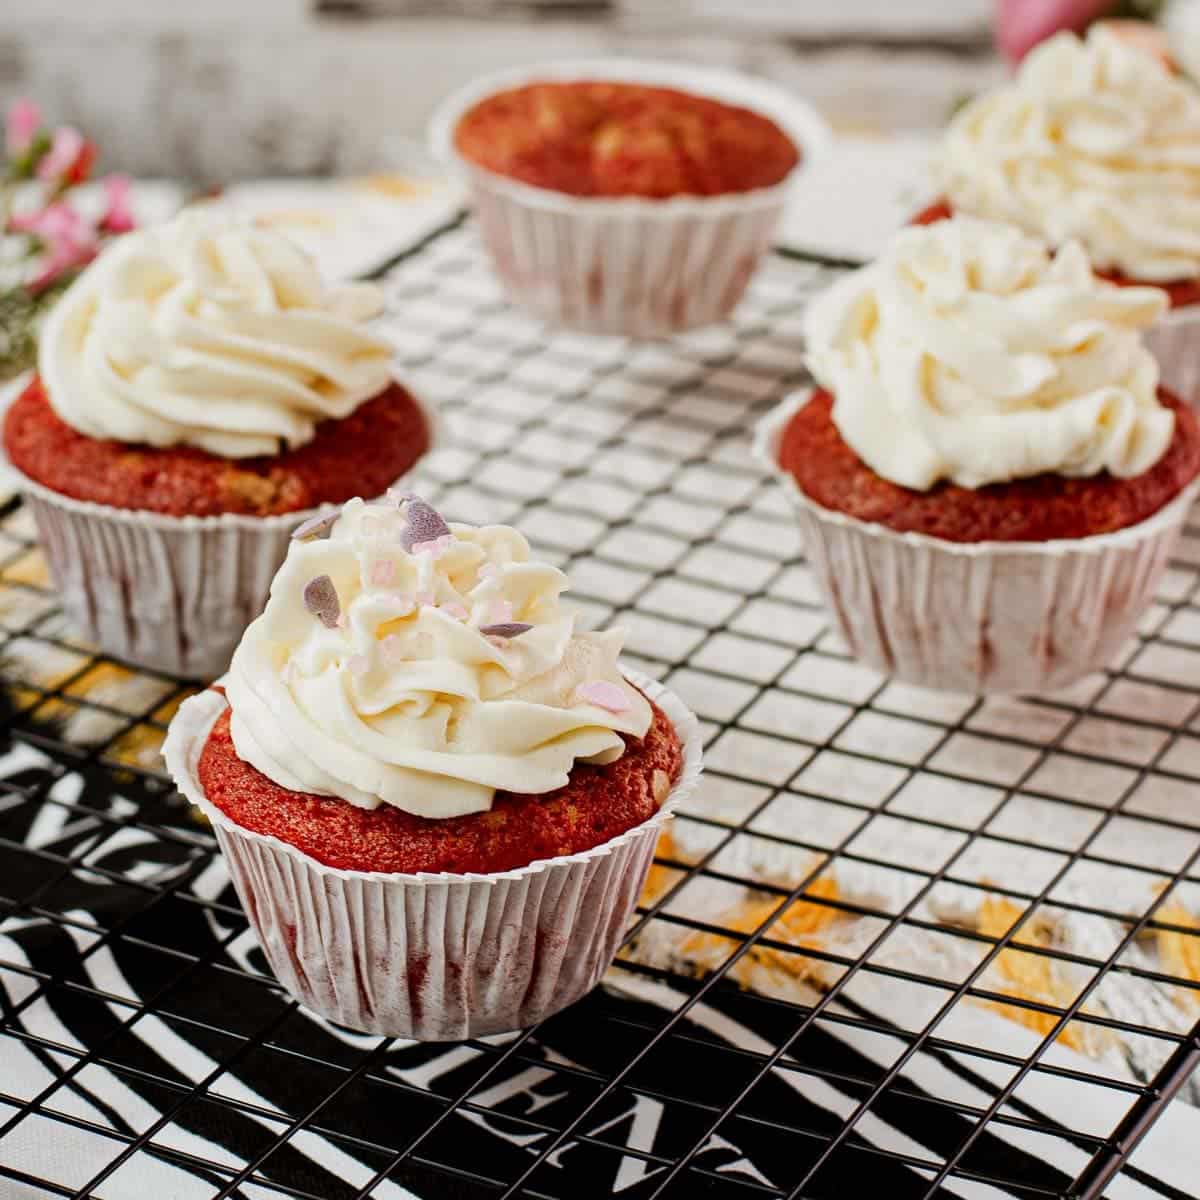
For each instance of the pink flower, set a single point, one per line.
(1022, 24)
(70, 242)
(69, 159)
(118, 215)
(64, 257)
(23, 121)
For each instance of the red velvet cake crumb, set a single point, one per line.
(358, 455)
(593, 138)
(1180, 292)
(1038, 509)
(598, 804)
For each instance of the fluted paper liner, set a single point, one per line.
(435, 957)
(977, 617)
(1174, 340)
(170, 593)
(629, 265)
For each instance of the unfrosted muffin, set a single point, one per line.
(606, 138)
(438, 800)
(625, 196)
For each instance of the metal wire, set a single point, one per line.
(627, 464)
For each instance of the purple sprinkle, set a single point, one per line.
(315, 528)
(321, 599)
(505, 629)
(425, 524)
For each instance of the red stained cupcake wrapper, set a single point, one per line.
(983, 617)
(629, 266)
(170, 593)
(435, 957)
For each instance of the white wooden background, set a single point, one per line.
(211, 90)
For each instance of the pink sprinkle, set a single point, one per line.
(426, 599)
(358, 664)
(383, 572)
(602, 694)
(456, 611)
(435, 546)
(502, 612)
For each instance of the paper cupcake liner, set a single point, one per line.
(169, 593)
(978, 617)
(631, 266)
(434, 957)
(1174, 340)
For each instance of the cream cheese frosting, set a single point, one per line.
(1094, 140)
(970, 353)
(210, 333)
(404, 661)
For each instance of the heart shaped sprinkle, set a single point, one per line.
(321, 599)
(602, 694)
(315, 528)
(505, 629)
(425, 524)
(383, 572)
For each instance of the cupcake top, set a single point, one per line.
(1094, 140)
(970, 353)
(404, 661)
(208, 333)
(600, 138)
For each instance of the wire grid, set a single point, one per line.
(628, 465)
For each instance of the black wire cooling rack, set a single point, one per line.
(900, 943)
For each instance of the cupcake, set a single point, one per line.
(624, 197)
(988, 478)
(1095, 141)
(438, 800)
(199, 391)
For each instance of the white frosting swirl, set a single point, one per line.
(1095, 141)
(211, 334)
(404, 700)
(969, 353)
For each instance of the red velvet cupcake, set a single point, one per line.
(1095, 140)
(625, 197)
(606, 138)
(438, 801)
(200, 392)
(988, 481)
